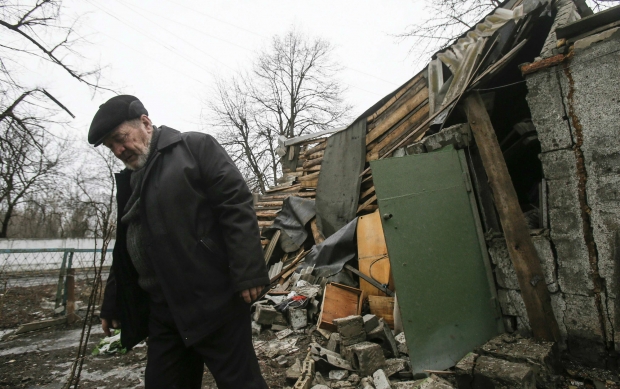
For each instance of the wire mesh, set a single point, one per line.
(34, 267)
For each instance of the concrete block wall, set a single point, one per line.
(576, 110)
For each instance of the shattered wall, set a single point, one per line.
(576, 109)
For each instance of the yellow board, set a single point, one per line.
(382, 307)
(372, 252)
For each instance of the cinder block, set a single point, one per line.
(265, 314)
(370, 322)
(304, 382)
(351, 329)
(559, 164)
(464, 370)
(547, 107)
(383, 336)
(365, 357)
(394, 365)
(298, 318)
(380, 379)
(334, 342)
(491, 372)
(539, 355)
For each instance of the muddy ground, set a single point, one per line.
(43, 360)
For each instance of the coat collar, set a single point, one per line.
(167, 137)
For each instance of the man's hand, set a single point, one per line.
(105, 325)
(250, 295)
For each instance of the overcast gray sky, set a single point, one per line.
(166, 52)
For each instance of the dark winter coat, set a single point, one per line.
(203, 244)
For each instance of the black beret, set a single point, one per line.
(113, 113)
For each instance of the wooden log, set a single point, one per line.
(392, 100)
(313, 169)
(316, 155)
(310, 184)
(394, 117)
(321, 146)
(309, 177)
(522, 252)
(313, 162)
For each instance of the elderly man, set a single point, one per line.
(187, 261)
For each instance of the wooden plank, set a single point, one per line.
(265, 223)
(372, 254)
(313, 162)
(392, 118)
(269, 203)
(522, 252)
(338, 301)
(316, 233)
(272, 245)
(398, 94)
(267, 214)
(282, 189)
(407, 125)
(382, 307)
(284, 196)
(37, 325)
(367, 203)
(367, 192)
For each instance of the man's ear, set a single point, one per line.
(147, 122)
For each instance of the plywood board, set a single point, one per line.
(339, 301)
(382, 307)
(372, 253)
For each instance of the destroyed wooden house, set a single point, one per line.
(492, 173)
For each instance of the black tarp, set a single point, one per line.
(338, 190)
(295, 214)
(329, 257)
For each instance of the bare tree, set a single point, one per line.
(33, 32)
(449, 19)
(292, 89)
(446, 21)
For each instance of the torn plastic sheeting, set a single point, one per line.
(329, 257)
(295, 214)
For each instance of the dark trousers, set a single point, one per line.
(228, 353)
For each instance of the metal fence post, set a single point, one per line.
(69, 267)
(61, 280)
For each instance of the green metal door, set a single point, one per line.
(438, 256)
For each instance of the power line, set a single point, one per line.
(167, 47)
(128, 4)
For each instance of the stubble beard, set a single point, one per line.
(141, 158)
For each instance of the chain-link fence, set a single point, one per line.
(33, 281)
(33, 267)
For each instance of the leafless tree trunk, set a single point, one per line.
(292, 89)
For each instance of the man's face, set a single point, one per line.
(130, 142)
